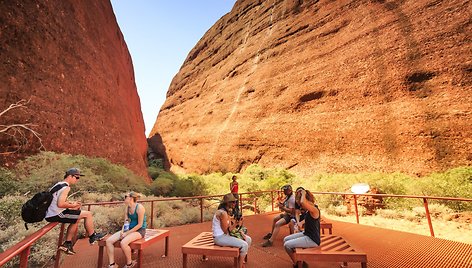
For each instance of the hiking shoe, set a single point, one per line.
(67, 248)
(267, 236)
(133, 263)
(267, 243)
(96, 237)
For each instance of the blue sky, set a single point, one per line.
(159, 35)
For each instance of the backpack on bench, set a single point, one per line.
(34, 210)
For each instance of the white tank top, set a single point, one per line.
(53, 209)
(216, 225)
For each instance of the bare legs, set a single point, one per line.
(276, 228)
(124, 245)
(88, 224)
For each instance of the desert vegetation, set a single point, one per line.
(105, 181)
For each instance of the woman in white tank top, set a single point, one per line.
(222, 226)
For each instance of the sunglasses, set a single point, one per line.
(126, 196)
(77, 177)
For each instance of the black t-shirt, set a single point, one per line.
(312, 227)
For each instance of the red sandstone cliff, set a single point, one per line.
(333, 86)
(70, 59)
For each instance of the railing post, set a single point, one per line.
(272, 199)
(355, 206)
(241, 203)
(428, 217)
(201, 209)
(24, 257)
(255, 205)
(59, 243)
(152, 214)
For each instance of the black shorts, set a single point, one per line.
(142, 232)
(66, 216)
(286, 217)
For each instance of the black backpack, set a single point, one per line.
(34, 210)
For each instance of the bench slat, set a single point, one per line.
(333, 249)
(203, 244)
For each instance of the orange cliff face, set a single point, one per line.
(325, 86)
(70, 60)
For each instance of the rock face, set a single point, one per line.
(70, 60)
(326, 86)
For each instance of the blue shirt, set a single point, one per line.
(134, 219)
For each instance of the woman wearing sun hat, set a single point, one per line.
(222, 226)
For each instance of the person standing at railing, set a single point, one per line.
(64, 211)
(234, 188)
(311, 236)
(135, 215)
(222, 227)
(288, 209)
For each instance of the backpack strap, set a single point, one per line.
(57, 187)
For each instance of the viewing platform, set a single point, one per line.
(385, 248)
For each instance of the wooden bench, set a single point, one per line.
(326, 225)
(333, 249)
(152, 236)
(203, 244)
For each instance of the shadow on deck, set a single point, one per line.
(384, 248)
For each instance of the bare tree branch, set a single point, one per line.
(18, 131)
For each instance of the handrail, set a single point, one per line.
(24, 246)
(425, 202)
(401, 196)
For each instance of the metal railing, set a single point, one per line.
(424, 198)
(23, 248)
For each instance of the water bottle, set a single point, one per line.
(126, 226)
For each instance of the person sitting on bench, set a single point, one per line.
(311, 236)
(222, 227)
(288, 211)
(135, 215)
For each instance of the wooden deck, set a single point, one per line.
(384, 248)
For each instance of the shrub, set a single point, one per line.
(8, 183)
(10, 210)
(455, 182)
(191, 185)
(154, 172)
(41, 171)
(162, 187)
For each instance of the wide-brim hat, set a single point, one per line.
(228, 198)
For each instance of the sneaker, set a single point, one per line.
(267, 236)
(267, 243)
(113, 265)
(67, 248)
(133, 263)
(304, 265)
(96, 237)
